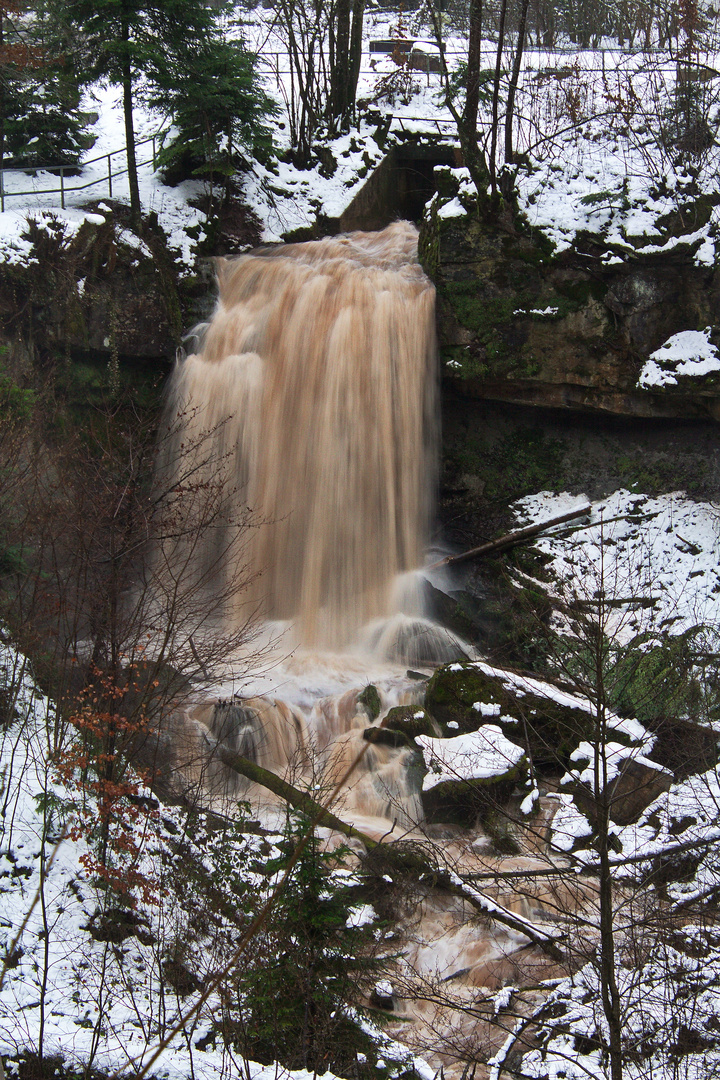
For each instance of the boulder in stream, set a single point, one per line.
(470, 775)
(411, 721)
(546, 719)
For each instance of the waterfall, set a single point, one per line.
(316, 379)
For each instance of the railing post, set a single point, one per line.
(109, 177)
(153, 153)
(62, 186)
(2, 190)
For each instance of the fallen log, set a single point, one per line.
(403, 858)
(291, 795)
(591, 603)
(519, 536)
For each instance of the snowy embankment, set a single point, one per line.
(653, 561)
(65, 993)
(124, 981)
(41, 200)
(586, 168)
(667, 864)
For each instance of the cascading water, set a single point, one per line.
(318, 374)
(313, 403)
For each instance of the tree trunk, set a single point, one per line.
(608, 981)
(514, 79)
(472, 96)
(496, 103)
(355, 54)
(510, 539)
(2, 105)
(609, 992)
(301, 44)
(345, 56)
(339, 48)
(473, 157)
(129, 125)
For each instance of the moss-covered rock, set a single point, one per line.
(469, 802)
(520, 323)
(410, 721)
(370, 699)
(382, 736)
(547, 721)
(470, 778)
(108, 289)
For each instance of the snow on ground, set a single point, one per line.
(61, 987)
(670, 1006)
(656, 558)
(284, 197)
(664, 551)
(581, 174)
(42, 199)
(569, 825)
(686, 819)
(104, 999)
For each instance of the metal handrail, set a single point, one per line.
(63, 189)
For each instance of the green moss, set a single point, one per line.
(499, 830)
(84, 383)
(542, 250)
(429, 243)
(453, 691)
(447, 182)
(578, 292)
(655, 474)
(654, 682)
(467, 802)
(525, 461)
(549, 730)
(485, 317)
(410, 721)
(693, 215)
(479, 313)
(499, 326)
(370, 698)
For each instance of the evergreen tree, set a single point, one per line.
(39, 119)
(298, 999)
(9, 56)
(217, 107)
(126, 40)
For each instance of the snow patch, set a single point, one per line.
(689, 353)
(478, 755)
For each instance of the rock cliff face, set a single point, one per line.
(519, 324)
(104, 290)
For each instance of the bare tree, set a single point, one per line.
(324, 45)
(122, 577)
